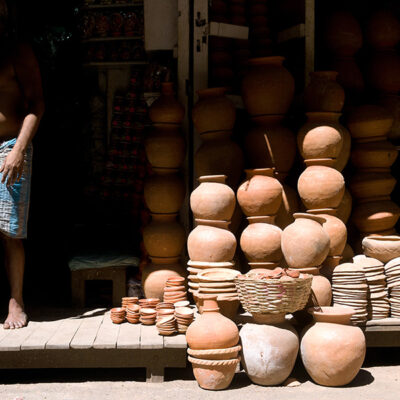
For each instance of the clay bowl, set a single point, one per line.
(184, 303)
(193, 285)
(133, 308)
(164, 306)
(207, 265)
(175, 281)
(148, 311)
(336, 314)
(184, 312)
(218, 354)
(383, 248)
(218, 275)
(133, 320)
(169, 289)
(117, 321)
(130, 300)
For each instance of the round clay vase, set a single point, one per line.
(321, 187)
(261, 241)
(212, 199)
(305, 244)
(154, 277)
(211, 241)
(380, 154)
(269, 349)
(384, 72)
(164, 236)
(270, 144)
(322, 290)
(213, 111)
(383, 248)
(211, 330)
(219, 155)
(343, 212)
(324, 93)
(371, 184)
(331, 349)
(289, 206)
(166, 109)
(164, 193)
(343, 35)
(383, 30)
(260, 194)
(267, 87)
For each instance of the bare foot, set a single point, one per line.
(16, 316)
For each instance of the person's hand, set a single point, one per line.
(12, 167)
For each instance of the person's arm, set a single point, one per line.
(28, 75)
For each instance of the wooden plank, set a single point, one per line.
(64, 334)
(39, 338)
(129, 336)
(229, 30)
(14, 340)
(107, 335)
(294, 32)
(175, 342)
(87, 333)
(149, 338)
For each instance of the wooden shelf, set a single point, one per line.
(228, 30)
(138, 3)
(113, 64)
(111, 39)
(294, 32)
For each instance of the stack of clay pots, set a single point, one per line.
(164, 193)
(118, 315)
(127, 301)
(371, 186)
(148, 316)
(213, 346)
(214, 117)
(175, 290)
(184, 317)
(133, 313)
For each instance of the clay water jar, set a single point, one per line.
(383, 30)
(164, 236)
(212, 199)
(269, 349)
(305, 243)
(213, 111)
(381, 154)
(321, 187)
(383, 248)
(384, 71)
(211, 241)
(166, 109)
(289, 206)
(324, 93)
(267, 87)
(261, 241)
(260, 194)
(331, 349)
(372, 184)
(344, 210)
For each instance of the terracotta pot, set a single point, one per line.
(383, 30)
(380, 154)
(269, 350)
(289, 206)
(219, 155)
(350, 76)
(322, 290)
(212, 199)
(267, 87)
(164, 194)
(304, 243)
(270, 144)
(166, 109)
(154, 277)
(343, 35)
(321, 187)
(211, 330)
(324, 93)
(392, 104)
(331, 349)
(384, 72)
(211, 241)
(376, 216)
(216, 354)
(261, 241)
(213, 111)
(164, 236)
(165, 148)
(343, 212)
(371, 184)
(369, 121)
(383, 248)
(260, 194)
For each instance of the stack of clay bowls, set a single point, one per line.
(392, 272)
(166, 326)
(184, 317)
(133, 313)
(149, 303)
(148, 316)
(175, 290)
(378, 301)
(118, 315)
(126, 301)
(350, 288)
(164, 310)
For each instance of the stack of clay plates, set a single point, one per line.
(165, 310)
(149, 303)
(148, 316)
(378, 301)
(392, 272)
(133, 313)
(349, 288)
(184, 317)
(126, 301)
(175, 290)
(166, 326)
(118, 315)
(219, 281)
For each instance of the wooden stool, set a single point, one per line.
(115, 274)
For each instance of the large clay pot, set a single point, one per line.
(349, 75)
(212, 199)
(343, 212)
(324, 93)
(289, 206)
(321, 187)
(332, 350)
(380, 154)
(213, 111)
(219, 155)
(211, 241)
(260, 194)
(164, 194)
(371, 184)
(211, 330)
(269, 349)
(268, 87)
(154, 277)
(164, 236)
(384, 72)
(322, 291)
(383, 248)
(166, 109)
(383, 30)
(305, 244)
(270, 144)
(343, 35)
(261, 241)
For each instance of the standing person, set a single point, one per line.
(21, 109)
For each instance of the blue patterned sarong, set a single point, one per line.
(14, 200)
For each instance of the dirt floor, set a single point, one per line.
(379, 379)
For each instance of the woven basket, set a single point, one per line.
(272, 295)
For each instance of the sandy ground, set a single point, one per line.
(379, 379)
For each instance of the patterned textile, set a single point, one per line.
(14, 200)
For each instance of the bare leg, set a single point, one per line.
(15, 264)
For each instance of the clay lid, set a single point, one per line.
(348, 267)
(335, 314)
(184, 303)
